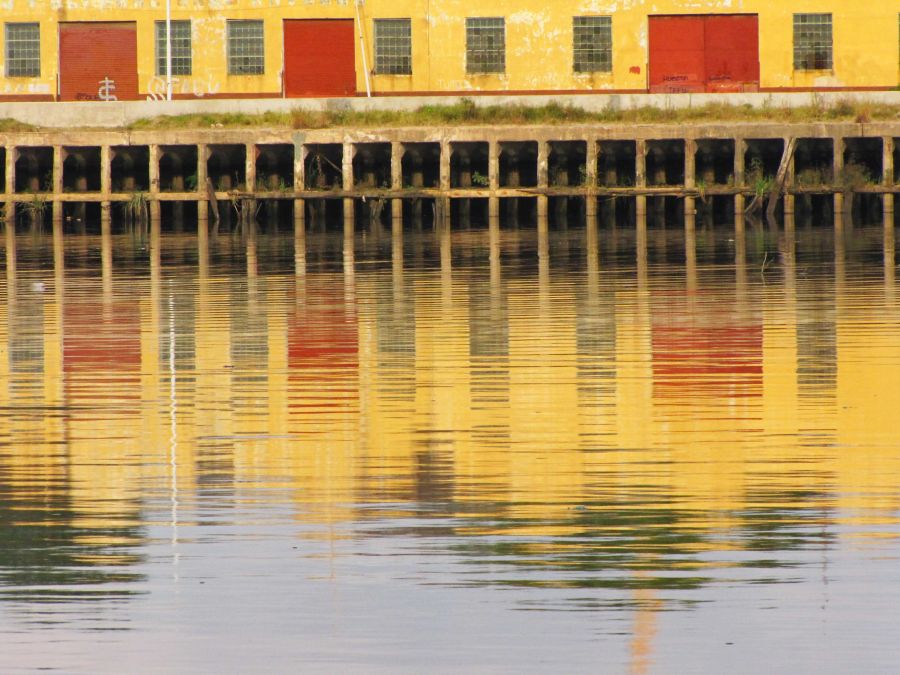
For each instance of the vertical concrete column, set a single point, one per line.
(543, 164)
(690, 177)
(300, 153)
(443, 206)
(396, 179)
(105, 183)
(153, 168)
(640, 175)
(543, 180)
(57, 185)
(887, 161)
(105, 171)
(838, 174)
(250, 175)
(789, 197)
(10, 159)
(347, 177)
(493, 178)
(250, 167)
(740, 150)
(444, 166)
(10, 183)
(690, 163)
(590, 177)
(202, 201)
(153, 175)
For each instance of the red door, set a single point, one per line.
(704, 53)
(98, 61)
(732, 53)
(319, 57)
(677, 60)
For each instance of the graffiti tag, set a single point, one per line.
(107, 87)
(195, 86)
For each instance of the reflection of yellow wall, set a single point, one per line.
(538, 38)
(868, 400)
(713, 464)
(546, 465)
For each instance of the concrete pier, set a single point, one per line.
(446, 170)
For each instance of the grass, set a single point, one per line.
(467, 112)
(8, 125)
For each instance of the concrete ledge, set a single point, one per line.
(117, 114)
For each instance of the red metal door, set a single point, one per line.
(732, 53)
(677, 56)
(319, 57)
(704, 53)
(98, 61)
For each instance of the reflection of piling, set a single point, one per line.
(10, 234)
(890, 259)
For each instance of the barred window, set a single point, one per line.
(812, 42)
(246, 55)
(592, 43)
(393, 46)
(23, 50)
(181, 47)
(485, 45)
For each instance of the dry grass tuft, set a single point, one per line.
(467, 112)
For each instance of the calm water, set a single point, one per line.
(445, 452)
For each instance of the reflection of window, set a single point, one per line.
(592, 43)
(485, 46)
(245, 47)
(23, 50)
(181, 47)
(812, 42)
(393, 46)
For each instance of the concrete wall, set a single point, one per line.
(538, 38)
(123, 113)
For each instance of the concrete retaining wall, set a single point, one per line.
(114, 114)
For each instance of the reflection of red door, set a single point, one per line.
(319, 58)
(101, 349)
(704, 53)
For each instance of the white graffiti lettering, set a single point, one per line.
(107, 87)
(197, 87)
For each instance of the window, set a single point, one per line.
(23, 50)
(181, 47)
(245, 48)
(812, 42)
(393, 47)
(592, 43)
(485, 46)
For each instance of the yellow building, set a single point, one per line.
(116, 49)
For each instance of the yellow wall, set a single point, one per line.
(538, 41)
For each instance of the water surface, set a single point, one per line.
(442, 451)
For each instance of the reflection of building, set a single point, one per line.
(704, 353)
(60, 51)
(68, 504)
(559, 424)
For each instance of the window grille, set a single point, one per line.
(393, 46)
(485, 45)
(812, 42)
(246, 55)
(592, 43)
(181, 48)
(23, 50)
